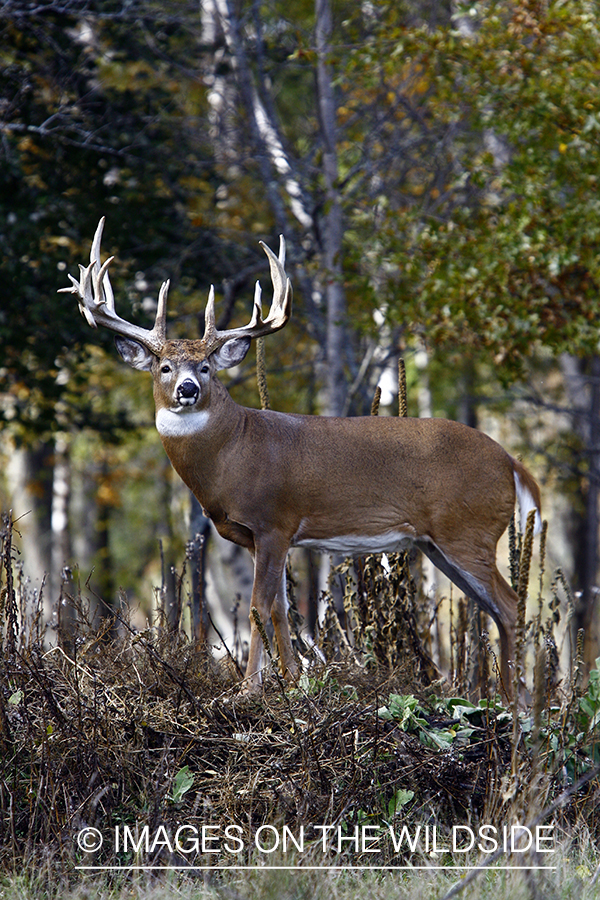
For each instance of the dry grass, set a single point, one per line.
(110, 728)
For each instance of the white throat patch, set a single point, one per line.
(180, 422)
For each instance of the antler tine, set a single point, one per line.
(102, 279)
(257, 307)
(210, 328)
(279, 313)
(97, 302)
(281, 307)
(160, 321)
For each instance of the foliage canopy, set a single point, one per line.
(492, 240)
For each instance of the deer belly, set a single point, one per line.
(353, 544)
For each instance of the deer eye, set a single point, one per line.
(204, 368)
(165, 369)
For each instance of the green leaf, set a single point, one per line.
(182, 783)
(400, 799)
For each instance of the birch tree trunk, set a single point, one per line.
(61, 584)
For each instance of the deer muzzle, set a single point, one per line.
(187, 392)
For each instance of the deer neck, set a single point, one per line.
(193, 439)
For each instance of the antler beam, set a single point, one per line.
(279, 313)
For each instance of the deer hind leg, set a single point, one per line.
(480, 579)
(269, 599)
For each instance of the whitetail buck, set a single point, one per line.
(270, 481)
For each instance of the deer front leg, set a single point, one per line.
(268, 598)
(279, 617)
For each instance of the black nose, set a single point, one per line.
(188, 389)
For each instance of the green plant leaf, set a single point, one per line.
(181, 784)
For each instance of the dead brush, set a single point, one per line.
(382, 623)
(98, 733)
(550, 746)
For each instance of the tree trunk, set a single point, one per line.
(30, 476)
(333, 230)
(60, 553)
(197, 552)
(582, 379)
(61, 583)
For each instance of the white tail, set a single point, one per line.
(528, 500)
(270, 481)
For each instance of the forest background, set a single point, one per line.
(434, 168)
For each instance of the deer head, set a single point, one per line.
(182, 369)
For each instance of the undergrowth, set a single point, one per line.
(371, 759)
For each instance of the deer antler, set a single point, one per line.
(279, 313)
(97, 302)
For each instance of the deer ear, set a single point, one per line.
(134, 353)
(231, 353)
